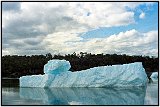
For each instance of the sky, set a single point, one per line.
(34, 28)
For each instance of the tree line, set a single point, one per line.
(16, 66)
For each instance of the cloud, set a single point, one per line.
(38, 28)
(135, 5)
(5, 52)
(130, 42)
(10, 6)
(36, 18)
(100, 14)
(142, 15)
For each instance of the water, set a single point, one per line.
(81, 96)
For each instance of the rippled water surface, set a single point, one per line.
(81, 96)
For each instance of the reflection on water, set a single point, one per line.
(86, 96)
(11, 96)
(83, 96)
(151, 97)
(74, 96)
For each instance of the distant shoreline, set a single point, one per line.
(10, 82)
(16, 66)
(10, 78)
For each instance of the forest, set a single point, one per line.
(16, 66)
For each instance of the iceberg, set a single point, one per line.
(154, 76)
(57, 75)
(36, 80)
(56, 66)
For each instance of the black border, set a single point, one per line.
(79, 1)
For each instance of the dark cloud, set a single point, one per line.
(26, 49)
(39, 28)
(29, 52)
(6, 40)
(33, 41)
(4, 46)
(23, 29)
(8, 6)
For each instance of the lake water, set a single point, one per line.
(81, 96)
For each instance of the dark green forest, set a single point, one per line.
(16, 66)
